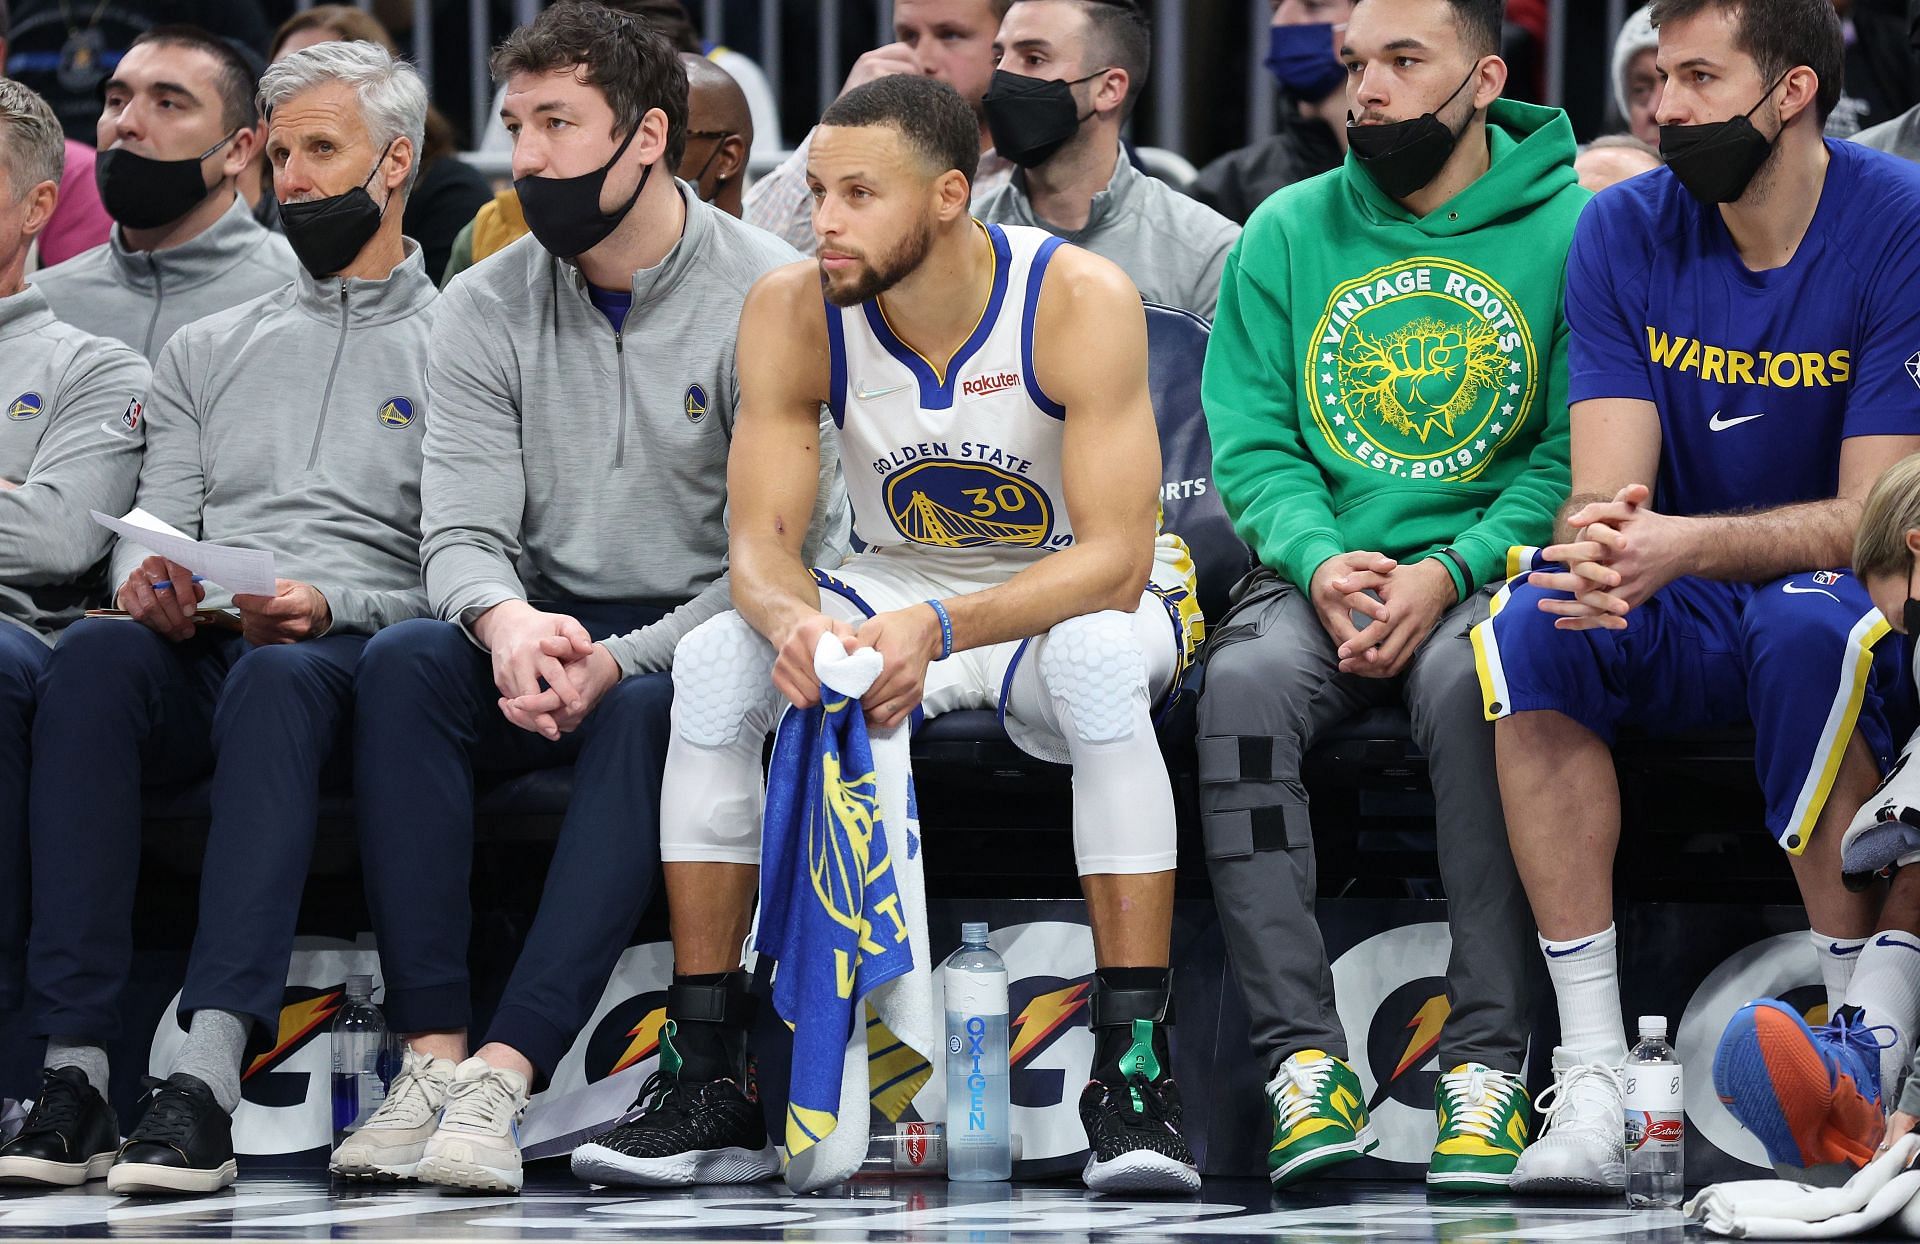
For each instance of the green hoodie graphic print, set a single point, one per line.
(1394, 383)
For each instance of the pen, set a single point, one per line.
(166, 585)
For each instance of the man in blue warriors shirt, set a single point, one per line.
(1742, 365)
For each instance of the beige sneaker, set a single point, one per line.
(477, 1145)
(389, 1145)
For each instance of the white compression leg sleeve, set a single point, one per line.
(1088, 680)
(724, 704)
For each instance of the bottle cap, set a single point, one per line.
(973, 933)
(359, 988)
(1653, 1025)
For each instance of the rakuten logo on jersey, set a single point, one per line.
(990, 384)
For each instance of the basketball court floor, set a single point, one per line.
(905, 1211)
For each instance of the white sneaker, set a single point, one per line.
(477, 1145)
(1582, 1146)
(389, 1144)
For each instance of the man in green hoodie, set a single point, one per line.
(1386, 389)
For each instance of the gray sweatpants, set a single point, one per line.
(1273, 685)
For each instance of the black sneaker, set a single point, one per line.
(683, 1132)
(1133, 1127)
(183, 1142)
(69, 1138)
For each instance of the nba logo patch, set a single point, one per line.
(26, 406)
(696, 403)
(130, 417)
(396, 412)
(1826, 578)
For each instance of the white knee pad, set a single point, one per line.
(1093, 669)
(722, 674)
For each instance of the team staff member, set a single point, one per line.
(327, 477)
(575, 494)
(1742, 323)
(70, 408)
(1073, 179)
(177, 127)
(1389, 425)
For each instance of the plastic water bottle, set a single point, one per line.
(359, 1057)
(906, 1149)
(979, 1142)
(1656, 1120)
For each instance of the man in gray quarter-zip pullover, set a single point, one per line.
(574, 496)
(70, 421)
(291, 423)
(1085, 191)
(177, 124)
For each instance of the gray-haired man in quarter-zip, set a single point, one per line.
(70, 407)
(291, 423)
(177, 123)
(574, 512)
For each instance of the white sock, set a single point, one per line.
(1839, 956)
(1586, 983)
(1886, 988)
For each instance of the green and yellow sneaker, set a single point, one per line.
(1319, 1117)
(1485, 1123)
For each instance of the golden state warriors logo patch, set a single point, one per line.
(1422, 369)
(696, 403)
(961, 505)
(396, 412)
(26, 406)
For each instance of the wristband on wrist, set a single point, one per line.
(1460, 564)
(946, 629)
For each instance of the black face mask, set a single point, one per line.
(1403, 156)
(1031, 118)
(564, 212)
(1910, 615)
(328, 234)
(141, 192)
(1717, 161)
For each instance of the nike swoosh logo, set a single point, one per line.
(1720, 425)
(1791, 590)
(1561, 954)
(1884, 940)
(1843, 951)
(868, 395)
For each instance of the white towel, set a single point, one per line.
(1881, 1195)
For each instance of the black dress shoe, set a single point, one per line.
(182, 1144)
(69, 1138)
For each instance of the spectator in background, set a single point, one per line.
(69, 443)
(1302, 55)
(1881, 79)
(713, 162)
(1636, 83)
(66, 49)
(448, 190)
(951, 40)
(1069, 73)
(1613, 158)
(79, 222)
(1901, 135)
(176, 128)
(670, 18)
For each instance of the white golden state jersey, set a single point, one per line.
(966, 458)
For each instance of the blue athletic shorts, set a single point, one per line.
(1800, 658)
